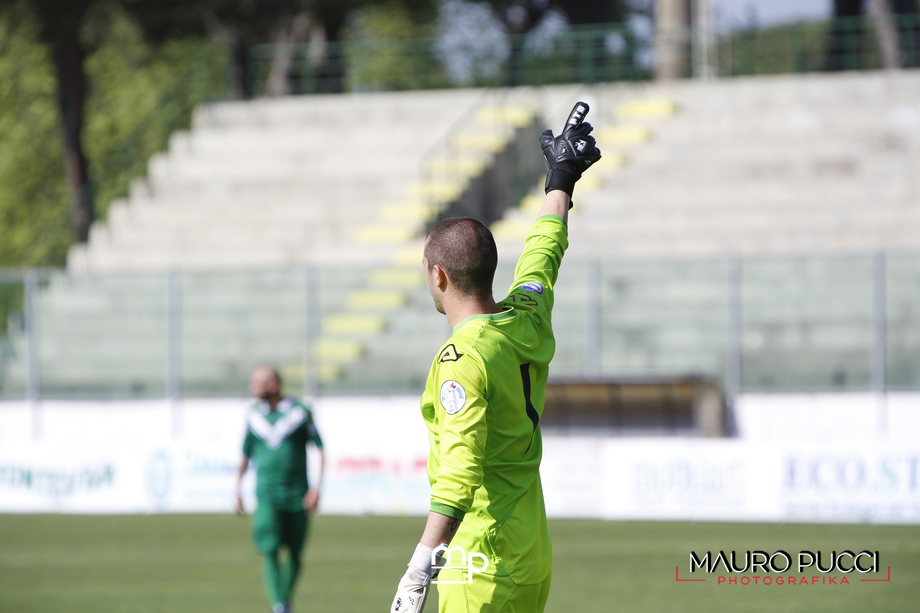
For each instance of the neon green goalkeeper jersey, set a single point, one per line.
(276, 441)
(482, 405)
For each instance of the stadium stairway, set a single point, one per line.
(361, 341)
(321, 183)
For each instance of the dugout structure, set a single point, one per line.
(676, 406)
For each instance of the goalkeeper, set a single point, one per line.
(483, 400)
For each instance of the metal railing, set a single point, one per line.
(583, 54)
(588, 54)
(845, 323)
(850, 43)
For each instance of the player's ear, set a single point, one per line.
(439, 276)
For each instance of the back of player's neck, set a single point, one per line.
(468, 307)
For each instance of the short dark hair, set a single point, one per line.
(465, 249)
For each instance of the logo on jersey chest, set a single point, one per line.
(453, 397)
(274, 434)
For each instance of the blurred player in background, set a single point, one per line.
(483, 400)
(278, 430)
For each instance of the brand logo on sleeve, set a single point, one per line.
(453, 397)
(449, 354)
(533, 287)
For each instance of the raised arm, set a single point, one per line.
(557, 202)
(567, 157)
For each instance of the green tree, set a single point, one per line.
(243, 23)
(386, 50)
(125, 78)
(237, 23)
(34, 227)
(520, 17)
(58, 26)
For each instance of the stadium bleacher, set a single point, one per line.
(770, 165)
(695, 176)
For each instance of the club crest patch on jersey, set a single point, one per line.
(450, 354)
(453, 397)
(533, 287)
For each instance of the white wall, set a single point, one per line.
(845, 458)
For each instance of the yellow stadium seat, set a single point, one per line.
(443, 191)
(419, 212)
(376, 300)
(410, 256)
(398, 277)
(511, 230)
(338, 351)
(623, 135)
(655, 108)
(611, 160)
(532, 203)
(328, 372)
(514, 115)
(353, 324)
(376, 235)
(590, 182)
(456, 165)
(325, 371)
(479, 141)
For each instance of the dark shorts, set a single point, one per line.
(273, 528)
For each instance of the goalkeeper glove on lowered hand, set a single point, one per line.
(571, 153)
(412, 590)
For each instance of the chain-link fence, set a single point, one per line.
(766, 324)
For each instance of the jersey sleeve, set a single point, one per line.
(248, 442)
(538, 266)
(463, 428)
(312, 432)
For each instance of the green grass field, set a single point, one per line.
(196, 563)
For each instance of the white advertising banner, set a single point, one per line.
(159, 457)
(169, 477)
(376, 454)
(150, 457)
(737, 480)
(688, 479)
(851, 483)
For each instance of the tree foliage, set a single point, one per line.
(33, 193)
(91, 70)
(125, 78)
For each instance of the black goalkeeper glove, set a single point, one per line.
(571, 153)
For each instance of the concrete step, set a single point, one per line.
(396, 108)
